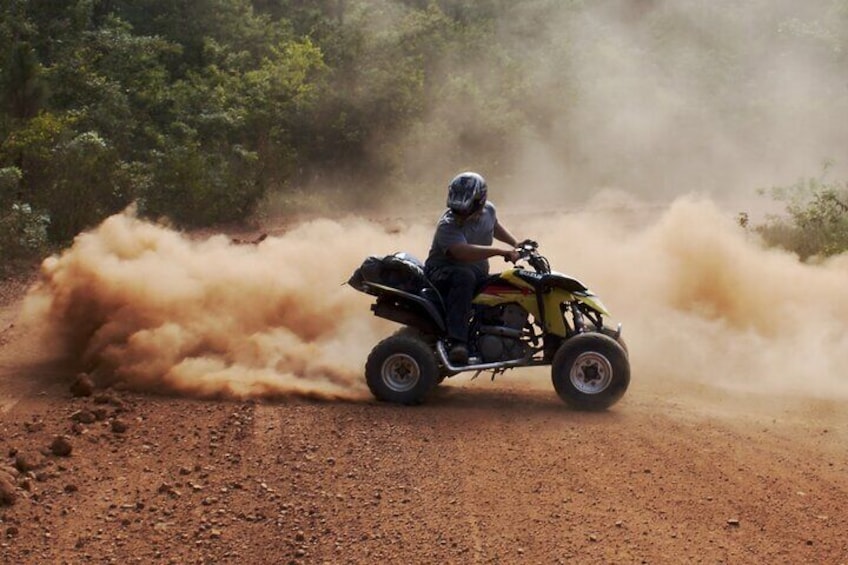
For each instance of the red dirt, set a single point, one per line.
(486, 472)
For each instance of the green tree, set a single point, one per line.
(81, 191)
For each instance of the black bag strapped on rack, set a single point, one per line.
(398, 270)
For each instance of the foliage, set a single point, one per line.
(817, 223)
(199, 110)
(23, 231)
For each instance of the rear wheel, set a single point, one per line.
(401, 369)
(591, 371)
(430, 340)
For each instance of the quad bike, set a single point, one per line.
(521, 318)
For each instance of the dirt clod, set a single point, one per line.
(119, 426)
(83, 417)
(8, 492)
(26, 462)
(34, 427)
(61, 446)
(83, 385)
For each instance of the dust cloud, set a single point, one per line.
(700, 299)
(653, 97)
(144, 305)
(650, 98)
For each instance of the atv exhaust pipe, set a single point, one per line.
(443, 359)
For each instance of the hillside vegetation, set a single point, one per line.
(205, 111)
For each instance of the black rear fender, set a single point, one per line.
(406, 308)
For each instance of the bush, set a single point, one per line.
(23, 231)
(817, 225)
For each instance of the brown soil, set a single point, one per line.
(486, 472)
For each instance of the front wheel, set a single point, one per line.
(608, 331)
(590, 371)
(401, 369)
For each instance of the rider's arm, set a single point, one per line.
(503, 234)
(469, 253)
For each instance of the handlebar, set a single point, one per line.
(528, 250)
(528, 244)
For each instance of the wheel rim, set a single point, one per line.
(591, 373)
(400, 372)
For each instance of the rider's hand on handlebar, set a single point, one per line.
(511, 255)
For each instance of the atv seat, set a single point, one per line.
(431, 293)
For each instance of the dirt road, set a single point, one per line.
(486, 472)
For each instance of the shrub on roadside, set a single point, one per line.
(817, 222)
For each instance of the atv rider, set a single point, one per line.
(458, 260)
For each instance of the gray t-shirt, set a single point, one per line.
(477, 230)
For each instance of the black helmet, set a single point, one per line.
(466, 193)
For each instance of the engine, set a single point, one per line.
(500, 331)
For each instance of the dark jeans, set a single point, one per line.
(458, 285)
